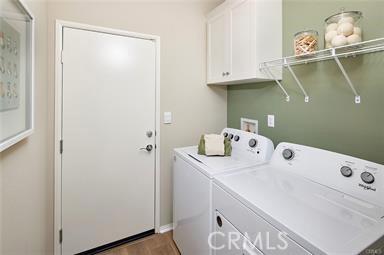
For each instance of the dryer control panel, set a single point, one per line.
(356, 177)
(248, 145)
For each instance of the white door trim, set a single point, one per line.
(58, 119)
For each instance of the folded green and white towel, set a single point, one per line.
(214, 145)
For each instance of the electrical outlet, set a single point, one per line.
(271, 120)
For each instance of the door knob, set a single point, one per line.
(148, 148)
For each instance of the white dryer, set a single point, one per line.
(304, 201)
(192, 186)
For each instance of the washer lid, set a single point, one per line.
(312, 214)
(213, 165)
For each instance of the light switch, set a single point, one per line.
(271, 120)
(167, 118)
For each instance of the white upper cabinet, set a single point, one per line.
(241, 35)
(219, 46)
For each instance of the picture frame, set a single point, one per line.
(17, 25)
(249, 125)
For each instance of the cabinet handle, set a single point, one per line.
(227, 73)
(223, 73)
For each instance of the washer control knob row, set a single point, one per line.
(367, 177)
(288, 154)
(252, 143)
(230, 136)
(346, 171)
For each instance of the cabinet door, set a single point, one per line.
(218, 48)
(243, 40)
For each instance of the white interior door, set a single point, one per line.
(108, 183)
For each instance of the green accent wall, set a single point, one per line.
(331, 120)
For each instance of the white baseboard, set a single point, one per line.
(166, 228)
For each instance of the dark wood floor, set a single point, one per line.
(158, 244)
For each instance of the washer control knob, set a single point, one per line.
(230, 136)
(225, 134)
(346, 171)
(236, 138)
(252, 143)
(288, 154)
(367, 177)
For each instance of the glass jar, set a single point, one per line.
(306, 42)
(344, 28)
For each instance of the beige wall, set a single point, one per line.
(26, 178)
(26, 169)
(196, 107)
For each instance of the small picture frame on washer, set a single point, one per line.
(249, 125)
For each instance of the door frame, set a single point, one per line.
(60, 24)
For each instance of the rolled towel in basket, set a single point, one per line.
(214, 145)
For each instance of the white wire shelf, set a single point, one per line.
(323, 55)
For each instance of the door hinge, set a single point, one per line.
(61, 57)
(60, 235)
(61, 146)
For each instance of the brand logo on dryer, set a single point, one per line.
(366, 187)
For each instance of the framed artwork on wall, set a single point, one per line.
(249, 125)
(16, 72)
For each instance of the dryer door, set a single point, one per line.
(250, 249)
(227, 240)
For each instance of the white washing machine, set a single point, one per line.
(192, 188)
(304, 201)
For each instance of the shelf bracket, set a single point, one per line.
(341, 67)
(306, 97)
(272, 77)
